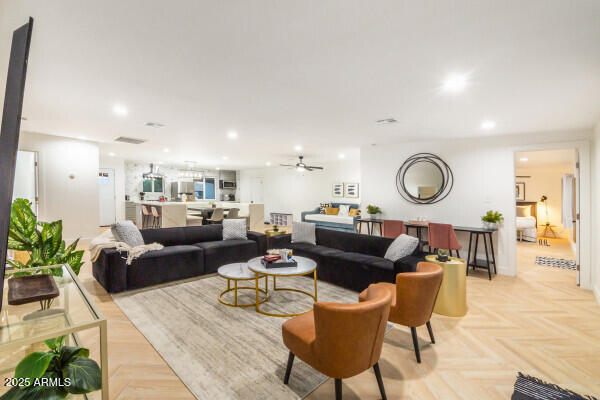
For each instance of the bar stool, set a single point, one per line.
(145, 216)
(155, 218)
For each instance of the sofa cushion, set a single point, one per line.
(218, 253)
(128, 233)
(203, 233)
(234, 229)
(165, 236)
(165, 265)
(303, 232)
(352, 242)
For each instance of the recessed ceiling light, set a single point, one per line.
(160, 162)
(218, 168)
(341, 155)
(111, 154)
(298, 148)
(488, 124)
(166, 150)
(120, 110)
(225, 158)
(232, 135)
(524, 159)
(268, 163)
(455, 83)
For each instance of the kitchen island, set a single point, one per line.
(175, 213)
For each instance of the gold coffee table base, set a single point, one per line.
(235, 289)
(313, 296)
(452, 297)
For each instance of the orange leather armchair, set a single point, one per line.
(413, 298)
(340, 340)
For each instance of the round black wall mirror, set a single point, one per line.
(424, 178)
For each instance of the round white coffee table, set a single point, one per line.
(239, 272)
(305, 266)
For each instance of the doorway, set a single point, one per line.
(107, 201)
(256, 190)
(547, 210)
(26, 178)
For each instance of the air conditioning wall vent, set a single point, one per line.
(125, 139)
(154, 124)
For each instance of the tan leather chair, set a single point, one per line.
(233, 213)
(340, 340)
(413, 298)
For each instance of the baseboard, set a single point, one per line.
(597, 293)
(505, 271)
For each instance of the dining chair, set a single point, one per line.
(233, 213)
(413, 298)
(442, 236)
(216, 217)
(340, 340)
(393, 228)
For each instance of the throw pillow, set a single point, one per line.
(344, 209)
(402, 246)
(128, 233)
(354, 212)
(323, 206)
(332, 211)
(523, 211)
(234, 229)
(303, 232)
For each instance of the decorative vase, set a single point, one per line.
(490, 225)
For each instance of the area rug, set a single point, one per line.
(222, 352)
(530, 388)
(556, 262)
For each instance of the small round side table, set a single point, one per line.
(452, 297)
(239, 272)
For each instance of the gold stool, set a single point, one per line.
(452, 297)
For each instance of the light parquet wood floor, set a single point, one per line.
(539, 323)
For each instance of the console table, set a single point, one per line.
(474, 232)
(24, 328)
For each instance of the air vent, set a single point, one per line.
(154, 124)
(386, 121)
(124, 139)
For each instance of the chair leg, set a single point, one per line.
(379, 381)
(288, 369)
(457, 254)
(338, 389)
(430, 332)
(413, 330)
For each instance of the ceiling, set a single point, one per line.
(311, 73)
(556, 159)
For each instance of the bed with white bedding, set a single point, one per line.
(527, 220)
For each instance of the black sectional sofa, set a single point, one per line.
(188, 252)
(350, 260)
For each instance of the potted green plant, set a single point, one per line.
(443, 255)
(55, 374)
(491, 219)
(373, 211)
(42, 240)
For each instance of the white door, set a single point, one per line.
(25, 186)
(106, 179)
(256, 190)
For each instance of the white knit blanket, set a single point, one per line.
(107, 240)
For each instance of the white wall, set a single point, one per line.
(546, 181)
(484, 178)
(75, 201)
(596, 211)
(118, 165)
(288, 191)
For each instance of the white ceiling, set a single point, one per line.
(314, 73)
(558, 159)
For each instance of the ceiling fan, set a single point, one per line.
(300, 166)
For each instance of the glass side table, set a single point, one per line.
(24, 328)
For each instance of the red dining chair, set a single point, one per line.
(393, 228)
(442, 236)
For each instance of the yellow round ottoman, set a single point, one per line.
(452, 298)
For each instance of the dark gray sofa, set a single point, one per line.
(188, 252)
(351, 260)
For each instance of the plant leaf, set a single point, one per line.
(74, 261)
(34, 365)
(69, 352)
(55, 344)
(84, 374)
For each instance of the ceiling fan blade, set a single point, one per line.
(308, 168)
(313, 167)
(287, 165)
